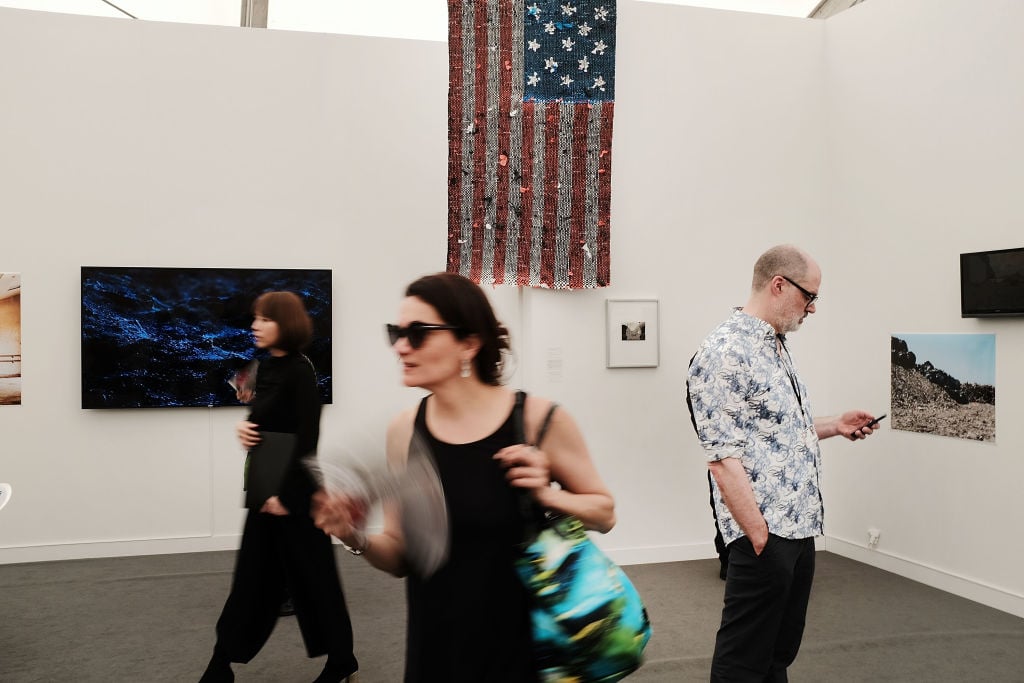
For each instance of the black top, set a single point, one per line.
(286, 400)
(470, 621)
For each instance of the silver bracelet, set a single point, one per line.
(363, 544)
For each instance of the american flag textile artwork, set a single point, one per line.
(530, 103)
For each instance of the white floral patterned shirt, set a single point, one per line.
(748, 403)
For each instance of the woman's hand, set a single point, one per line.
(273, 507)
(565, 460)
(248, 434)
(526, 467)
(341, 516)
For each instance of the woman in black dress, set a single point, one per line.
(469, 622)
(282, 552)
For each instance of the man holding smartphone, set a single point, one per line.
(754, 420)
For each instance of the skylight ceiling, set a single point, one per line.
(417, 19)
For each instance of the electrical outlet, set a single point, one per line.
(873, 536)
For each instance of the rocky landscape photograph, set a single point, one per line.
(944, 384)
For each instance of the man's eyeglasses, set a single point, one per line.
(811, 296)
(415, 332)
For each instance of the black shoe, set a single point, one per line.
(287, 608)
(333, 673)
(218, 671)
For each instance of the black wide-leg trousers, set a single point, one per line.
(764, 613)
(285, 556)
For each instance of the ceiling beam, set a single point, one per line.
(127, 14)
(827, 8)
(254, 13)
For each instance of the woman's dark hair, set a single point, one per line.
(294, 326)
(460, 302)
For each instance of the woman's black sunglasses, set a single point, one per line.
(415, 332)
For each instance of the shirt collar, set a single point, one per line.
(754, 325)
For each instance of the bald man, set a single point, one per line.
(754, 420)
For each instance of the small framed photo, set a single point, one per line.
(632, 329)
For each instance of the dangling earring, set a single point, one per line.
(465, 368)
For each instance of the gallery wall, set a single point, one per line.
(136, 143)
(925, 143)
(715, 158)
(149, 144)
(168, 145)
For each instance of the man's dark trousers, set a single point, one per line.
(763, 618)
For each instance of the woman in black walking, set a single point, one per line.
(282, 552)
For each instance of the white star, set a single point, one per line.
(549, 28)
(566, 81)
(534, 11)
(533, 45)
(599, 48)
(585, 29)
(584, 64)
(568, 44)
(600, 13)
(568, 10)
(550, 64)
(599, 83)
(533, 79)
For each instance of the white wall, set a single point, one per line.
(715, 157)
(926, 146)
(137, 143)
(148, 144)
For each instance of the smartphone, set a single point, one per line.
(875, 421)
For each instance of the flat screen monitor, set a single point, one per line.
(174, 337)
(992, 283)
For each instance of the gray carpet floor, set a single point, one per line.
(152, 619)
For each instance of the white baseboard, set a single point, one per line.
(973, 590)
(121, 548)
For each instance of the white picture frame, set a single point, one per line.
(632, 329)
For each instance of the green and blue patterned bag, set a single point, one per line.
(589, 623)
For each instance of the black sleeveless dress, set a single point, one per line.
(470, 622)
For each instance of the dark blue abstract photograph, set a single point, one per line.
(175, 337)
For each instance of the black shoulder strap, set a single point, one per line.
(689, 400)
(519, 421)
(421, 414)
(531, 512)
(545, 424)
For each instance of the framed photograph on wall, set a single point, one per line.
(10, 339)
(632, 329)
